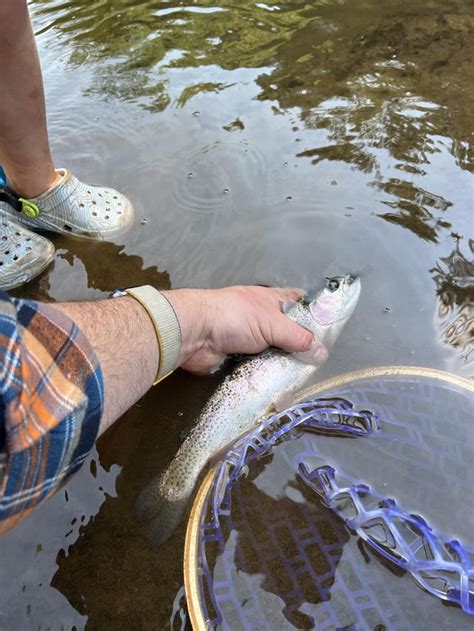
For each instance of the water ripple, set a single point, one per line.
(205, 179)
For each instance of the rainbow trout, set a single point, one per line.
(259, 385)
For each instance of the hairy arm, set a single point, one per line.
(122, 336)
(213, 324)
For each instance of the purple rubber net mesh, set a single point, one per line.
(442, 567)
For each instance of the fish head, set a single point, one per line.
(332, 307)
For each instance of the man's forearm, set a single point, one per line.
(123, 338)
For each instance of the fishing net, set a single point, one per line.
(348, 510)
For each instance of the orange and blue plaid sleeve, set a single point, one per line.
(51, 402)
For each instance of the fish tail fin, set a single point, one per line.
(159, 514)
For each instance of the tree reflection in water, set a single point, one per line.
(382, 84)
(454, 279)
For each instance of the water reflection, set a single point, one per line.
(393, 70)
(386, 88)
(397, 76)
(415, 209)
(111, 573)
(454, 279)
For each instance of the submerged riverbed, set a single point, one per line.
(272, 143)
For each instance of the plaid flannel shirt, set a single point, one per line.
(51, 401)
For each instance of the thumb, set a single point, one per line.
(316, 355)
(293, 338)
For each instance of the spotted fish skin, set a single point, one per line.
(253, 389)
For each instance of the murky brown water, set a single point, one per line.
(260, 142)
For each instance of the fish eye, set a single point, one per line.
(332, 284)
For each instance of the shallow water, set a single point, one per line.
(260, 142)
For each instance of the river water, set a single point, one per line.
(272, 143)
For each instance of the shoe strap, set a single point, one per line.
(21, 205)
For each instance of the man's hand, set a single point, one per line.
(238, 319)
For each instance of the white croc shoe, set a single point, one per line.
(23, 254)
(74, 208)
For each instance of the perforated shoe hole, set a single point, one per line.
(68, 228)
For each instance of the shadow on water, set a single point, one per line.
(284, 568)
(112, 574)
(108, 267)
(275, 557)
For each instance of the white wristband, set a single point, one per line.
(165, 323)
